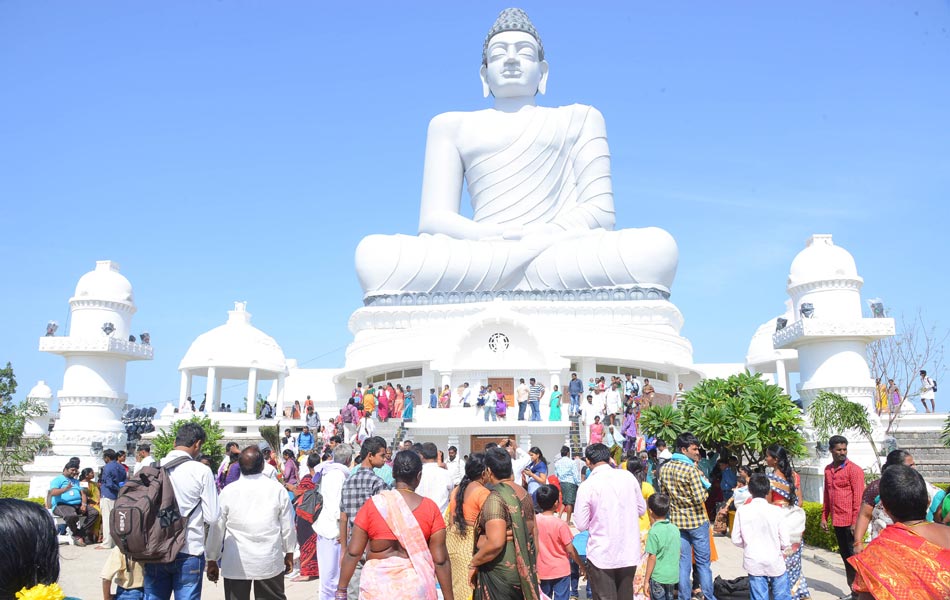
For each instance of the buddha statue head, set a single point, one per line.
(513, 62)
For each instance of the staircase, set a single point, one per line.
(575, 435)
(392, 431)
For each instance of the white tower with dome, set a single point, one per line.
(97, 348)
(831, 336)
(43, 396)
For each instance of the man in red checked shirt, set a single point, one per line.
(844, 485)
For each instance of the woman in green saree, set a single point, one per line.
(503, 566)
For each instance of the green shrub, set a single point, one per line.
(164, 442)
(15, 490)
(40, 501)
(814, 534)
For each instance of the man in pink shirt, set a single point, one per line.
(609, 506)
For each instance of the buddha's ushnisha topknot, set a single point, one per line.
(512, 19)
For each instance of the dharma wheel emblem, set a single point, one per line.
(498, 342)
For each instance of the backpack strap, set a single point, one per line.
(175, 462)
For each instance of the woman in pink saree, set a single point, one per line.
(384, 403)
(405, 535)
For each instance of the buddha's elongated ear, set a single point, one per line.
(543, 84)
(483, 73)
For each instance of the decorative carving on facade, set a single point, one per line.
(109, 304)
(498, 342)
(609, 313)
(118, 401)
(620, 294)
(109, 439)
(827, 284)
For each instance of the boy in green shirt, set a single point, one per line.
(663, 550)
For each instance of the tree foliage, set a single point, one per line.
(164, 442)
(15, 449)
(742, 414)
(832, 414)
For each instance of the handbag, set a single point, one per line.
(721, 524)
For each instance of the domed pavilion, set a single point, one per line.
(238, 351)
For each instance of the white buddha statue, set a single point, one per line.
(539, 182)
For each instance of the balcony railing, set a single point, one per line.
(104, 344)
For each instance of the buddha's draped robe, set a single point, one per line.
(556, 171)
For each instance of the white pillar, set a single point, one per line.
(213, 406)
(210, 388)
(675, 382)
(251, 390)
(555, 381)
(184, 390)
(280, 395)
(524, 441)
(781, 378)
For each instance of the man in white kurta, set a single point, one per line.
(256, 529)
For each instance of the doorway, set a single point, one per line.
(507, 385)
(478, 442)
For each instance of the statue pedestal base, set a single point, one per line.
(429, 346)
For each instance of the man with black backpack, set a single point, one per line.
(193, 484)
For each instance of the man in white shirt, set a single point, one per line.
(288, 442)
(759, 530)
(257, 530)
(589, 410)
(143, 457)
(466, 393)
(927, 390)
(327, 525)
(521, 395)
(519, 460)
(197, 499)
(269, 470)
(455, 465)
(436, 483)
(613, 403)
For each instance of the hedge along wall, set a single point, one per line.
(814, 534)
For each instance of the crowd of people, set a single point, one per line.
(369, 521)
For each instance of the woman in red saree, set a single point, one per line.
(306, 537)
(911, 558)
(405, 535)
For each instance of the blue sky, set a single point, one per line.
(223, 151)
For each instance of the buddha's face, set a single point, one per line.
(513, 68)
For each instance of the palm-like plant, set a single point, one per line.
(832, 413)
(662, 422)
(742, 414)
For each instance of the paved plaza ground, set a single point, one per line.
(80, 573)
